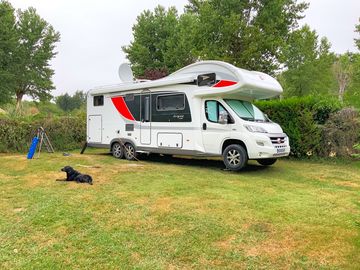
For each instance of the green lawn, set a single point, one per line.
(179, 215)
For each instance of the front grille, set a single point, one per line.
(277, 140)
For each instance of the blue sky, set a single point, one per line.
(92, 33)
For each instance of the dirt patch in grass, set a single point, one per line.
(273, 247)
(4, 177)
(226, 244)
(135, 256)
(347, 184)
(287, 243)
(162, 205)
(331, 175)
(334, 250)
(42, 179)
(18, 210)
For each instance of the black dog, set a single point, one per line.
(72, 175)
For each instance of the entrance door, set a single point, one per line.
(214, 133)
(95, 128)
(145, 118)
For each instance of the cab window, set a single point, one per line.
(212, 110)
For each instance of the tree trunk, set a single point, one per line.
(340, 97)
(19, 97)
(342, 87)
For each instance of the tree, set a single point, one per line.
(69, 103)
(151, 32)
(79, 99)
(307, 63)
(35, 48)
(248, 33)
(352, 93)
(343, 71)
(7, 50)
(180, 51)
(357, 29)
(64, 102)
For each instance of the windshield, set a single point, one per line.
(246, 110)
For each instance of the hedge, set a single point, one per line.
(65, 133)
(306, 122)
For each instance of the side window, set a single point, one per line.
(169, 107)
(212, 110)
(98, 100)
(170, 102)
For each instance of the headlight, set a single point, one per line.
(255, 129)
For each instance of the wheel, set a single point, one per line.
(267, 161)
(235, 157)
(117, 150)
(130, 153)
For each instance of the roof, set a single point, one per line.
(231, 81)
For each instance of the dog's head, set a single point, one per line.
(67, 169)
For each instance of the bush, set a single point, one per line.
(300, 119)
(340, 133)
(65, 133)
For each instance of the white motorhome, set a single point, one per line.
(203, 109)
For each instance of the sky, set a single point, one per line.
(93, 32)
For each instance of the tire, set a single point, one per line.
(235, 157)
(130, 152)
(267, 161)
(117, 150)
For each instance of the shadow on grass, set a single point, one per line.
(211, 164)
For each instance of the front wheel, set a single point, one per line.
(130, 152)
(235, 157)
(117, 150)
(267, 161)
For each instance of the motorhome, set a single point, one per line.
(204, 109)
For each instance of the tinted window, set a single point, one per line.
(170, 102)
(212, 110)
(177, 113)
(98, 100)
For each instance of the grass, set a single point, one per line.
(178, 215)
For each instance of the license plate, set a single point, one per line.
(280, 150)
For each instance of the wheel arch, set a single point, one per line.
(228, 142)
(121, 141)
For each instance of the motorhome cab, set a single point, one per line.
(203, 109)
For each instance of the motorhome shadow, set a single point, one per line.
(201, 110)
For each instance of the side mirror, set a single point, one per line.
(223, 117)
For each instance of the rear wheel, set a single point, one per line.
(130, 153)
(117, 150)
(267, 161)
(235, 157)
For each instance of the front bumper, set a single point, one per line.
(269, 146)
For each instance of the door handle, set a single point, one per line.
(204, 126)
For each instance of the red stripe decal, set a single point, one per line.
(122, 108)
(224, 83)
